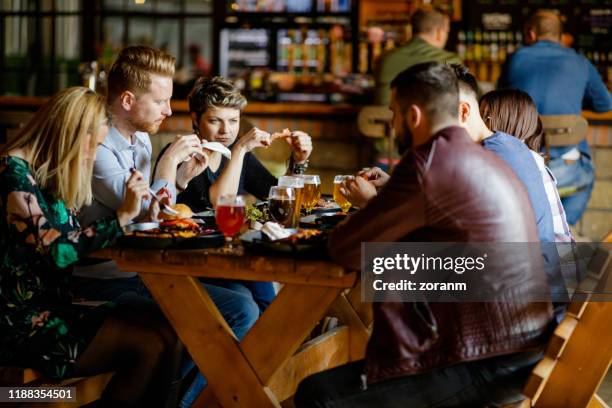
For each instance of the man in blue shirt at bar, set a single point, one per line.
(559, 80)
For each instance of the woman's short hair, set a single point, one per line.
(216, 92)
(132, 69)
(55, 137)
(512, 111)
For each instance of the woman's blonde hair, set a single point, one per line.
(55, 137)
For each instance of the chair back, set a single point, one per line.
(564, 130)
(374, 121)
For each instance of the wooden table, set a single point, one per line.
(239, 373)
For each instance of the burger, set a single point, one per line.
(180, 224)
(183, 212)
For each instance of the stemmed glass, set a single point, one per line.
(340, 198)
(282, 204)
(229, 216)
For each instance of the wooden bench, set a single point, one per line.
(88, 389)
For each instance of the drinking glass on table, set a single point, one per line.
(340, 198)
(282, 204)
(297, 183)
(229, 216)
(312, 191)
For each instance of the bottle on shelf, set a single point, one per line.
(469, 51)
(478, 45)
(461, 46)
(518, 36)
(486, 46)
(510, 44)
(291, 51)
(363, 65)
(502, 48)
(321, 52)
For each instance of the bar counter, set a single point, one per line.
(181, 106)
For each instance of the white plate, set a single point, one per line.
(141, 226)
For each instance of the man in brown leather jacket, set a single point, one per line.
(446, 188)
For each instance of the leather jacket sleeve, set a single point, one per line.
(397, 210)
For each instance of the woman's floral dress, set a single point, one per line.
(40, 238)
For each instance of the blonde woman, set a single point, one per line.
(45, 176)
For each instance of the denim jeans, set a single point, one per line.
(262, 292)
(486, 383)
(580, 175)
(238, 309)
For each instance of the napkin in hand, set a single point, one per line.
(275, 231)
(217, 147)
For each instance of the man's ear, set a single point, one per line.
(414, 117)
(464, 112)
(127, 100)
(530, 37)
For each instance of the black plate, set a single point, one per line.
(206, 221)
(324, 221)
(257, 242)
(321, 210)
(210, 240)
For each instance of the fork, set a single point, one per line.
(165, 208)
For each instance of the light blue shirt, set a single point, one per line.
(114, 159)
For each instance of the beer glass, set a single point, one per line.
(281, 204)
(229, 216)
(340, 198)
(312, 191)
(297, 184)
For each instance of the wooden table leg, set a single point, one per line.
(209, 340)
(284, 326)
(359, 334)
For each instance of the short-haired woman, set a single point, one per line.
(215, 105)
(45, 177)
(512, 111)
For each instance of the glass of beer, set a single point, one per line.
(340, 198)
(312, 191)
(229, 216)
(297, 183)
(281, 203)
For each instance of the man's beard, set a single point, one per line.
(144, 126)
(404, 143)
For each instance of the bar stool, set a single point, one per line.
(375, 122)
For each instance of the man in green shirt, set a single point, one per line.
(430, 28)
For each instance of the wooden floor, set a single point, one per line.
(605, 390)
